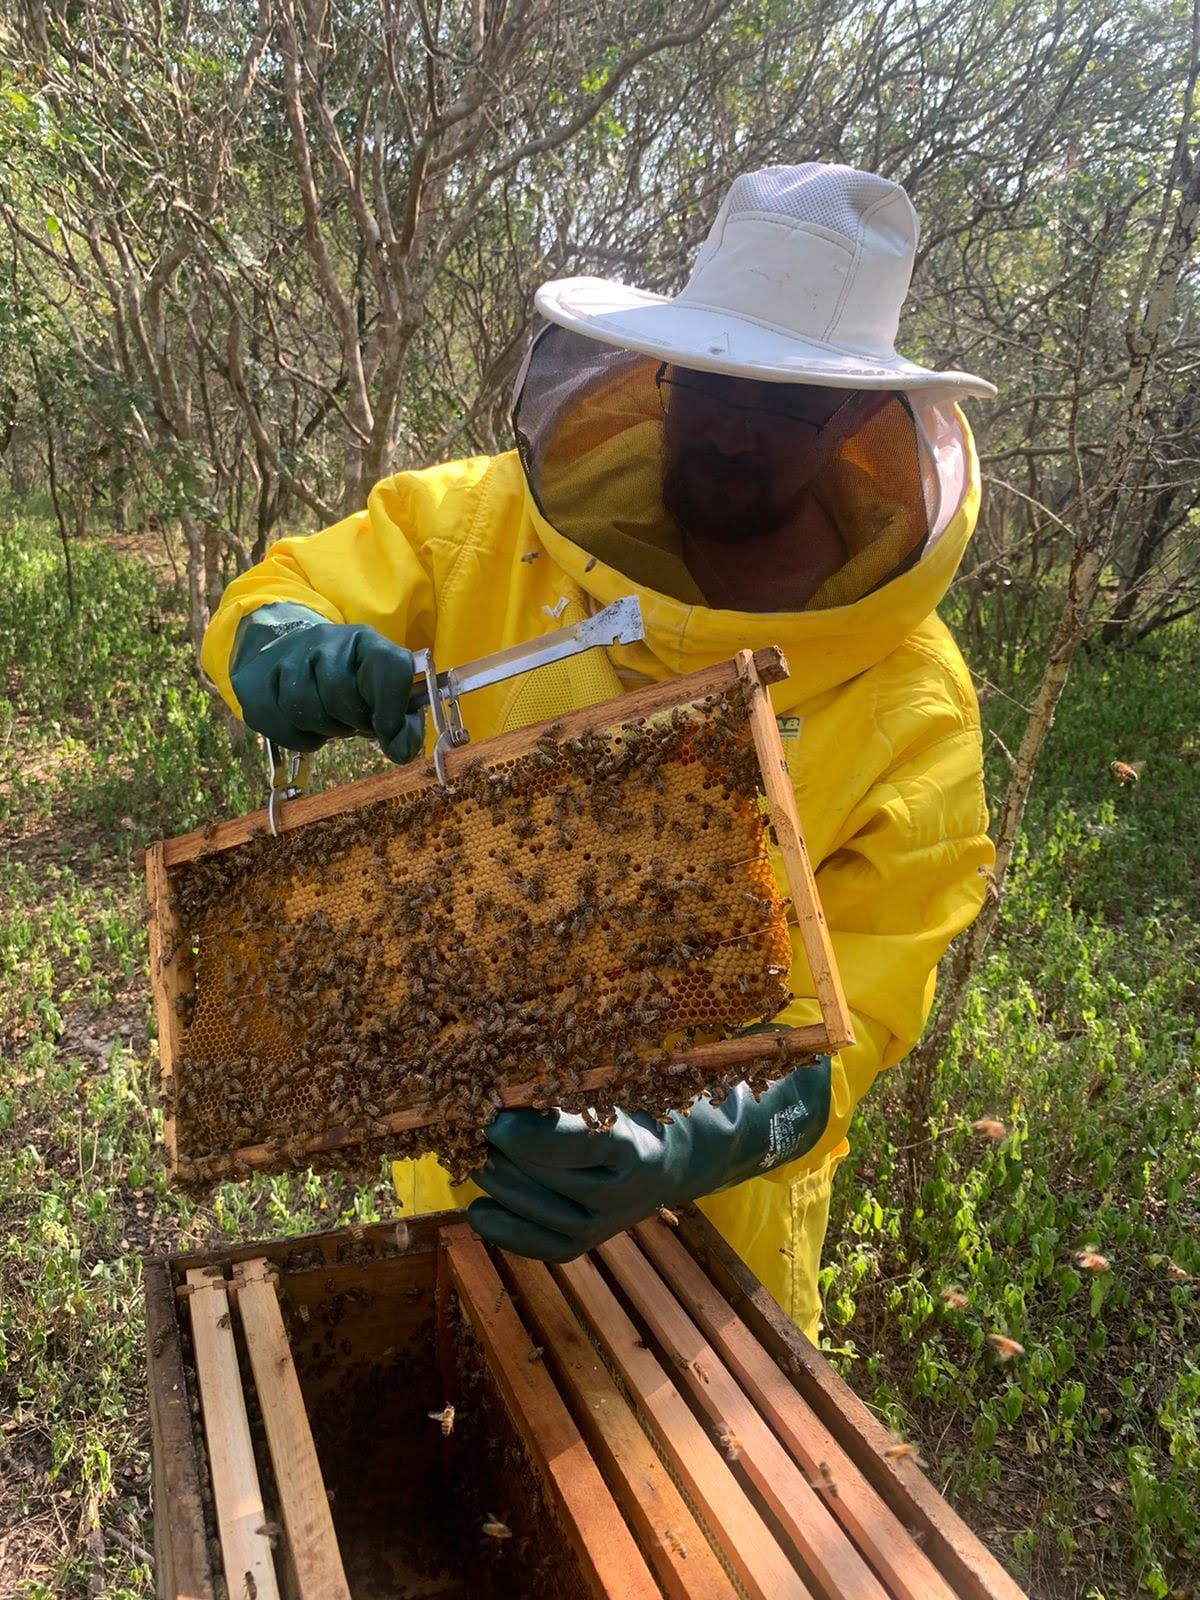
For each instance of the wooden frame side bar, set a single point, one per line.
(967, 1563)
(245, 1549)
(166, 981)
(608, 1556)
(801, 1509)
(769, 667)
(678, 1551)
(802, 883)
(755, 1555)
(181, 1564)
(877, 1532)
(312, 1542)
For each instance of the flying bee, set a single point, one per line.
(730, 1444)
(1004, 1347)
(955, 1299)
(989, 1128)
(903, 1451)
(493, 1528)
(446, 1417)
(675, 1543)
(827, 1484)
(1091, 1261)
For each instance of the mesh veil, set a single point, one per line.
(589, 429)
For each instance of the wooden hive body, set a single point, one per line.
(641, 1422)
(581, 918)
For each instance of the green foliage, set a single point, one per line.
(1081, 1035)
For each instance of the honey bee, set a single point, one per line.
(903, 1451)
(532, 555)
(668, 1217)
(730, 1444)
(536, 1353)
(675, 1543)
(1091, 1261)
(494, 1528)
(446, 1417)
(827, 1484)
(989, 1128)
(955, 1299)
(990, 884)
(251, 1589)
(223, 1320)
(789, 1254)
(1004, 1347)
(700, 1371)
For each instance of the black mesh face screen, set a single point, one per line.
(589, 424)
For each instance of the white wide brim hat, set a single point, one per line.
(800, 280)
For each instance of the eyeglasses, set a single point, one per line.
(697, 401)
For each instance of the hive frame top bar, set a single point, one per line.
(768, 666)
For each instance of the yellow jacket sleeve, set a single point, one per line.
(907, 878)
(372, 567)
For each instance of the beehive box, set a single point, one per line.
(579, 918)
(641, 1422)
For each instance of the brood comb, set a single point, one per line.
(578, 918)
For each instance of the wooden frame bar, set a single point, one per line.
(755, 1555)
(608, 1556)
(801, 1509)
(677, 1549)
(969, 1566)
(717, 1060)
(769, 667)
(785, 820)
(181, 1561)
(312, 1542)
(874, 1527)
(245, 1547)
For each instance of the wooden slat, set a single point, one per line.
(312, 1542)
(245, 1552)
(717, 1059)
(667, 1531)
(182, 1570)
(754, 1554)
(785, 820)
(967, 1563)
(167, 985)
(610, 1560)
(877, 1532)
(803, 1513)
(769, 666)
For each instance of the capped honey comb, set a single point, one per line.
(380, 978)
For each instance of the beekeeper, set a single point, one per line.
(754, 461)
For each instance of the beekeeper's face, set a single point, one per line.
(738, 454)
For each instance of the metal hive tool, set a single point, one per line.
(578, 917)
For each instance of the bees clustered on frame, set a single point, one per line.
(570, 908)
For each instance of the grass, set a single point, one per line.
(1079, 1461)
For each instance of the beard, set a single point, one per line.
(724, 498)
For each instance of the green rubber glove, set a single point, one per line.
(301, 680)
(557, 1189)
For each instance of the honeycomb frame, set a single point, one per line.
(657, 1071)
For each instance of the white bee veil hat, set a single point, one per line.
(800, 280)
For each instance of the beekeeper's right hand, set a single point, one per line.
(301, 680)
